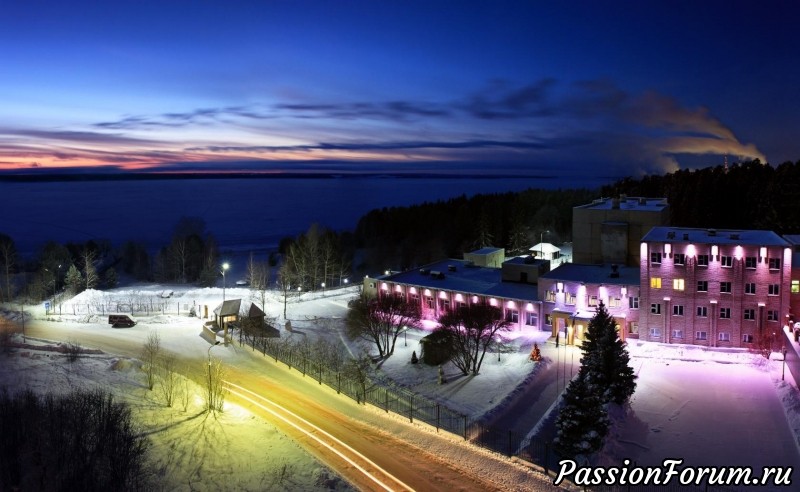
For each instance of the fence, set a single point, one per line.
(397, 400)
(145, 307)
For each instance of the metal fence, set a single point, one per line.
(397, 400)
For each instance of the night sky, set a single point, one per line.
(609, 88)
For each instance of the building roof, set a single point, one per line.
(228, 308)
(486, 251)
(547, 248)
(255, 311)
(627, 203)
(714, 236)
(466, 278)
(594, 274)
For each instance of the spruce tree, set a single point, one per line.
(606, 360)
(582, 423)
(74, 280)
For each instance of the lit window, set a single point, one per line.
(701, 335)
(702, 311)
(614, 302)
(677, 310)
(725, 287)
(550, 296)
(750, 262)
(774, 289)
(772, 315)
(680, 259)
(548, 319)
(633, 327)
(750, 314)
(655, 308)
(592, 301)
(569, 299)
(795, 286)
(678, 284)
(633, 302)
(724, 313)
(655, 258)
(531, 319)
(702, 286)
(750, 288)
(702, 260)
(655, 283)
(677, 333)
(724, 336)
(774, 263)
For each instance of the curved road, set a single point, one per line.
(255, 378)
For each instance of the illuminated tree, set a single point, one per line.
(605, 362)
(381, 320)
(473, 329)
(90, 276)
(74, 280)
(582, 422)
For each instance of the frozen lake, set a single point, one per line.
(244, 214)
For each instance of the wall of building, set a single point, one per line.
(672, 289)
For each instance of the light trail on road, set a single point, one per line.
(329, 442)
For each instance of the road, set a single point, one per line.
(368, 448)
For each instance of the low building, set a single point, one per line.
(572, 292)
(448, 284)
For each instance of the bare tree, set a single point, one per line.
(381, 320)
(90, 276)
(215, 386)
(359, 370)
(258, 278)
(168, 380)
(473, 329)
(289, 284)
(150, 355)
(8, 259)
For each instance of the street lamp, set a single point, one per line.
(323, 287)
(405, 337)
(209, 364)
(783, 371)
(225, 267)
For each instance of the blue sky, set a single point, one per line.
(610, 88)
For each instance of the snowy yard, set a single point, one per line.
(706, 407)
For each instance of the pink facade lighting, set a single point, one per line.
(384, 286)
(529, 307)
(474, 299)
(493, 302)
(691, 251)
(738, 252)
(560, 287)
(762, 252)
(715, 252)
(667, 249)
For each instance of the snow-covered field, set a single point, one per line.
(704, 406)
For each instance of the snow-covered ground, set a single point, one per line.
(704, 406)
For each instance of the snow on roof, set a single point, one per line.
(628, 203)
(485, 251)
(714, 236)
(228, 308)
(467, 278)
(594, 274)
(545, 248)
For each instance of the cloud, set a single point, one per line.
(370, 146)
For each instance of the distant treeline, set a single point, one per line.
(405, 237)
(750, 195)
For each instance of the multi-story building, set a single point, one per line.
(727, 288)
(608, 230)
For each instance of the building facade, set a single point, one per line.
(718, 288)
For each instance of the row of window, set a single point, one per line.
(724, 287)
(724, 312)
(724, 260)
(722, 336)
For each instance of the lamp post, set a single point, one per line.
(783, 371)
(225, 267)
(405, 337)
(541, 245)
(498, 348)
(323, 288)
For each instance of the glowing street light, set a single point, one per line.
(225, 267)
(323, 287)
(405, 337)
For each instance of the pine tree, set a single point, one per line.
(110, 278)
(74, 280)
(582, 423)
(606, 361)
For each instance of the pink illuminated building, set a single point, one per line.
(719, 288)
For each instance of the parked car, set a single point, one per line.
(121, 320)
